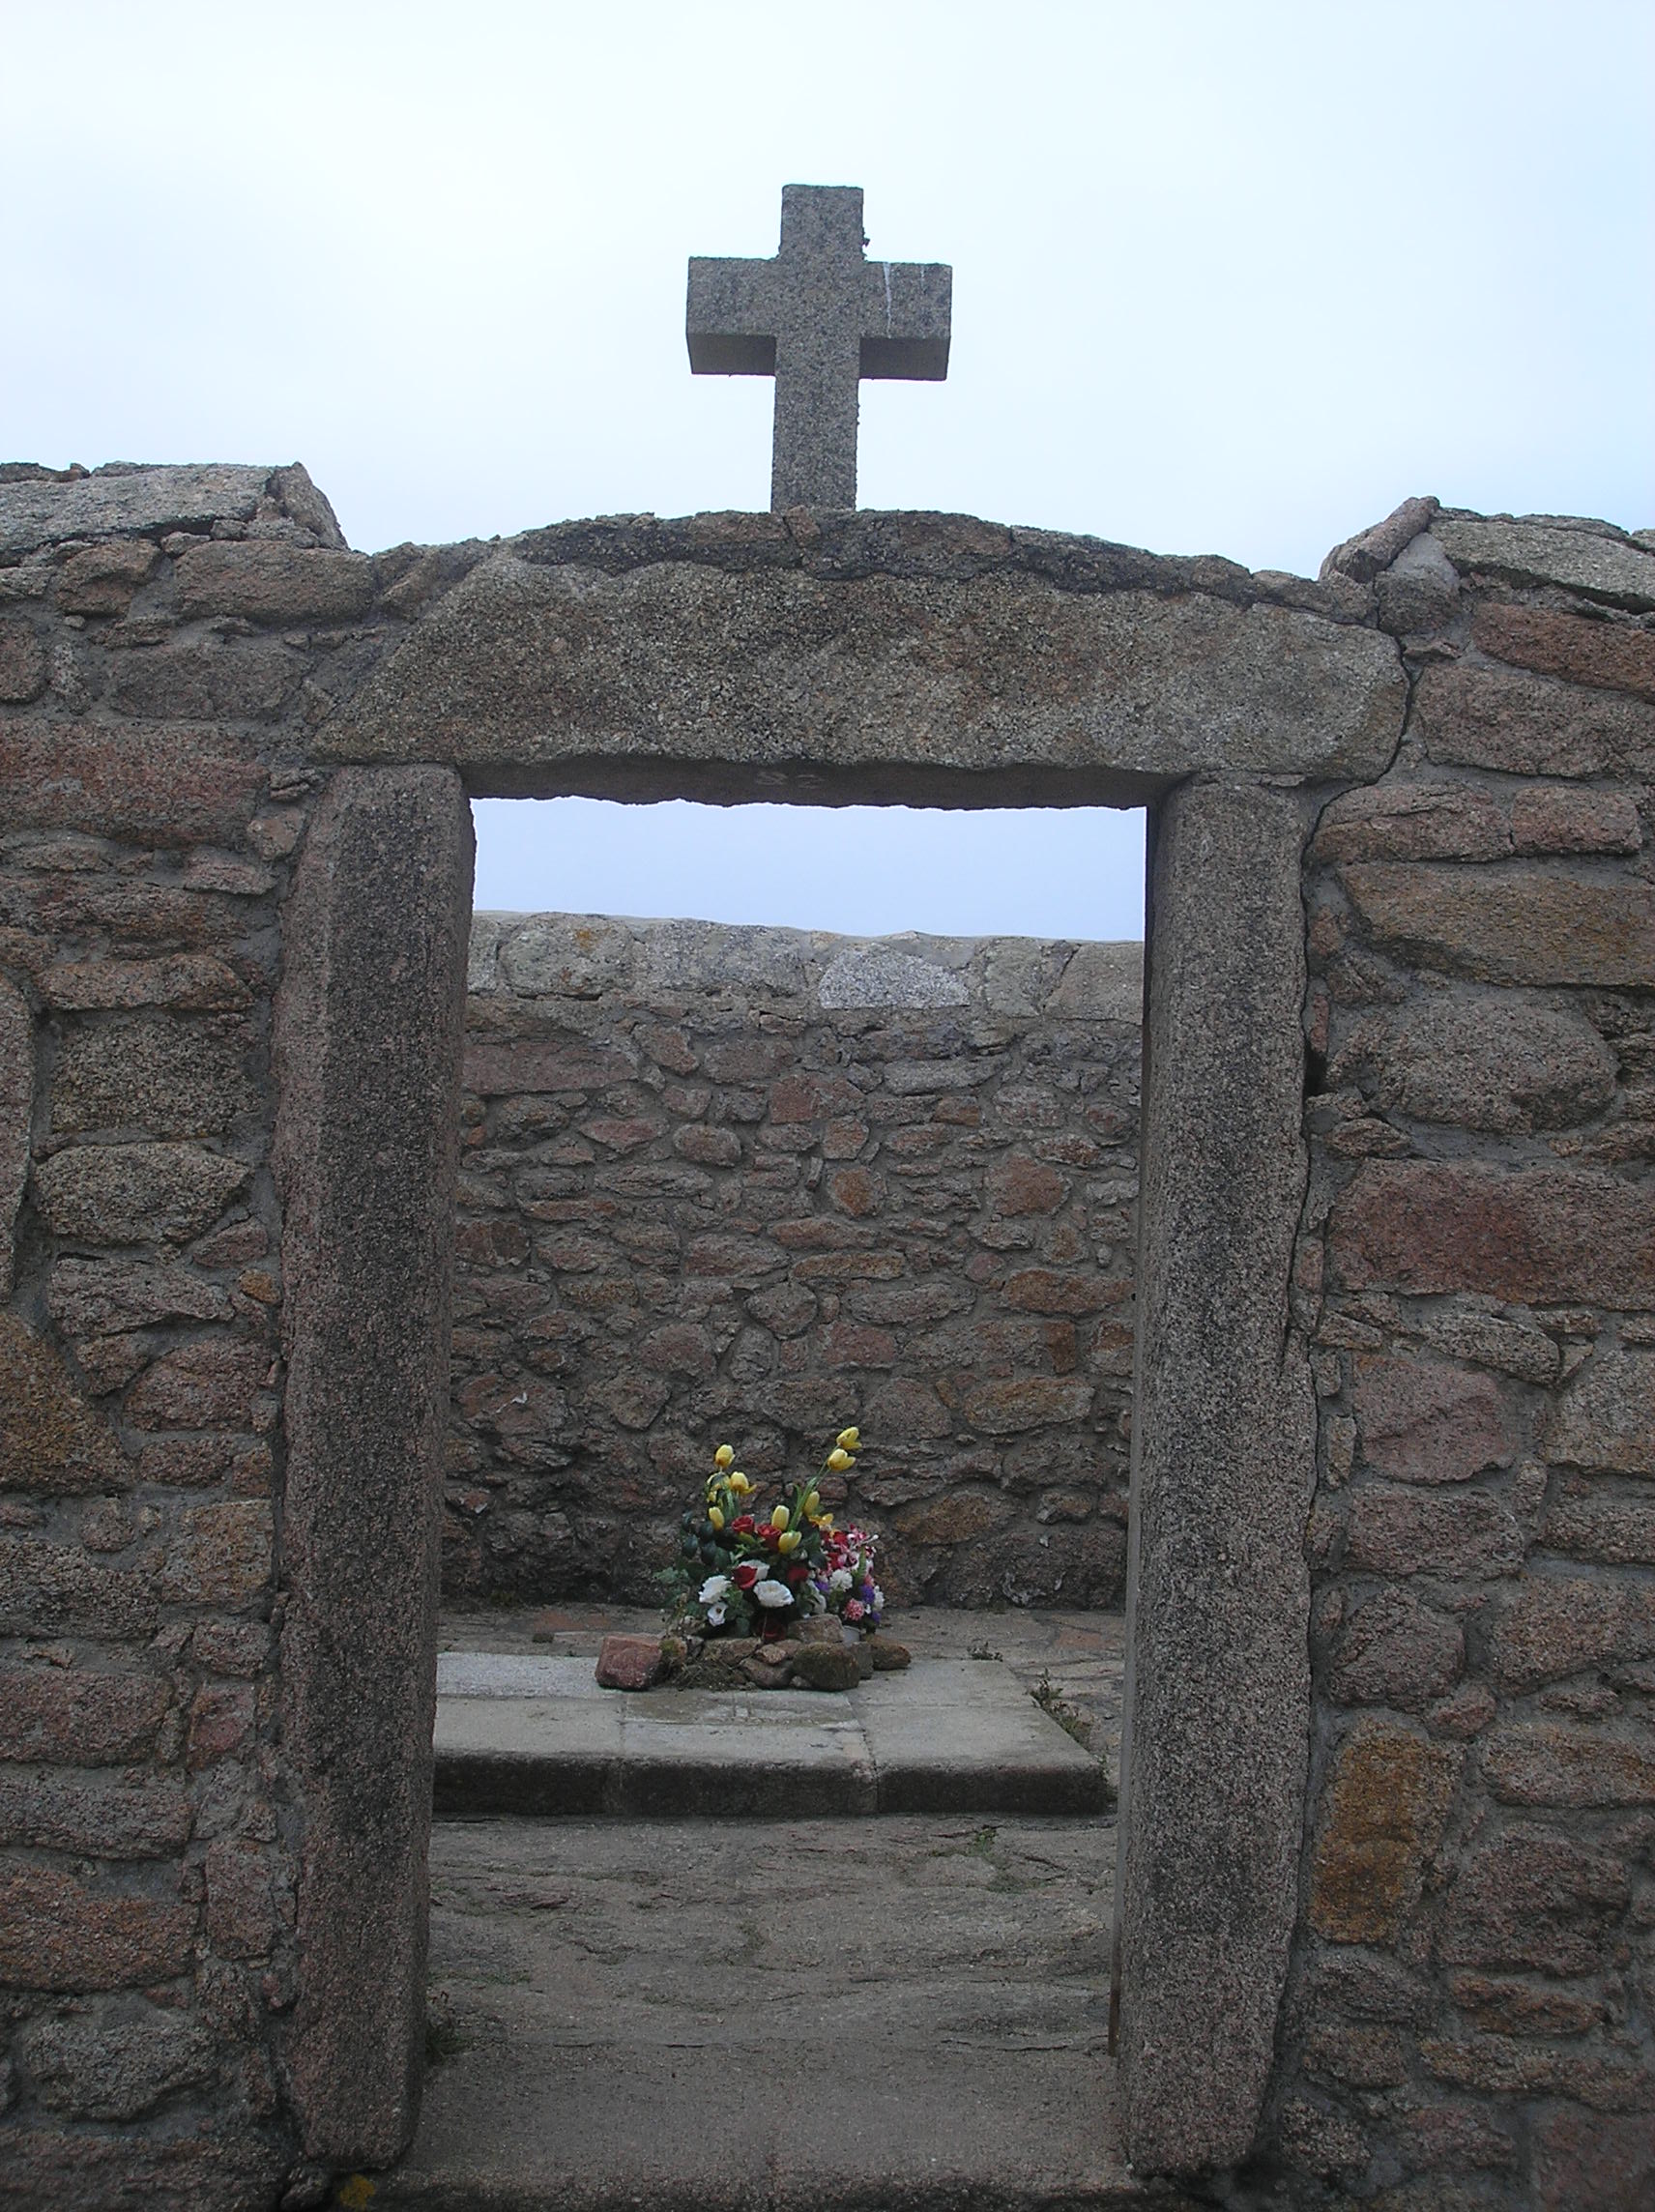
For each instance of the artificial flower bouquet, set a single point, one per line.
(765, 1571)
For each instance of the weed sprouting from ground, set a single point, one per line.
(1070, 1718)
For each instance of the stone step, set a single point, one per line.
(907, 2015)
(530, 1734)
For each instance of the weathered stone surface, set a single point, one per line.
(189, 982)
(1423, 1422)
(1606, 1418)
(268, 583)
(1102, 982)
(1533, 1897)
(1396, 1531)
(1552, 1765)
(52, 1589)
(117, 2071)
(1554, 1626)
(89, 1297)
(1364, 556)
(631, 1662)
(1383, 1813)
(1396, 1651)
(51, 1439)
(136, 1193)
(71, 2169)
(1537, 1235)
(60, 1933)
(1524, 725)
(158, 785)
(575, 955)
(367, 1048)
(164, 1077)
(209, 1383)
(1586, 2158)
(495, 1070)
(115, 501)
(17, 1105)
(1419, 591)
(827, 1666)
(1545, 818)
(883, 978)
(1530, 551)
(1223, 1440)
(1035, 1401)
(22, 663)
(1584, 1524)
(524, 671)
(91, 1820)
(241, 1909)
(247, 681)
(1509, 924)
(1613, 656)
(1511, 1342)
(1484, 1063)
(81, 1719)
(1407, 821)
(101, 580)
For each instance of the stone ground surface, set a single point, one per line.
(892, 2013)
(1081, 1656)
(889, 2012)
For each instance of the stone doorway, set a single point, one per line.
(954, 664)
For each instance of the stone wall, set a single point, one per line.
(1475, 1982)
(152, 796)
(192, 1837)
(753, 1184)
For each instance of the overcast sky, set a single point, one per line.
(1231, 277)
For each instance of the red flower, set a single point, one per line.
(744, 1525)
(796, 1575)
(746, 1575)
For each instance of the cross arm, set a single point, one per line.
(731, 318)
(906, 315)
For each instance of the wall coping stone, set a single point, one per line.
(581, 958)
(125, 499)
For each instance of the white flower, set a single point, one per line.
(879, 1599)
(717, 1614)
(772, 1594)
(714, 1588)
(839, 1581)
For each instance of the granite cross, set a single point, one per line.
(818, 318)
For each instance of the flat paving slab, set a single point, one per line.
(527, 1732)
(906, 2015)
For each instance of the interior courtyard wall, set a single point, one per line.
(755, 1184)
(185, 658)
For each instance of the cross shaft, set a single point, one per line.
(818, 317)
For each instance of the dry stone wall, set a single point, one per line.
(753, 1184)
(1470, 2019)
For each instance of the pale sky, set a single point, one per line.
(1228, 277)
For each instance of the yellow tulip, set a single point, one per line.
(724, 1456)
(839, 1461)
(789, 1542)
(781, 1517)
(739, 1484)
(848, 1439)
(826, 1524)
(812, 1503)
(716, 1516)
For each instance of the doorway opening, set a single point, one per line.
(804, 1136)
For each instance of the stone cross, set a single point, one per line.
(818, 318)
